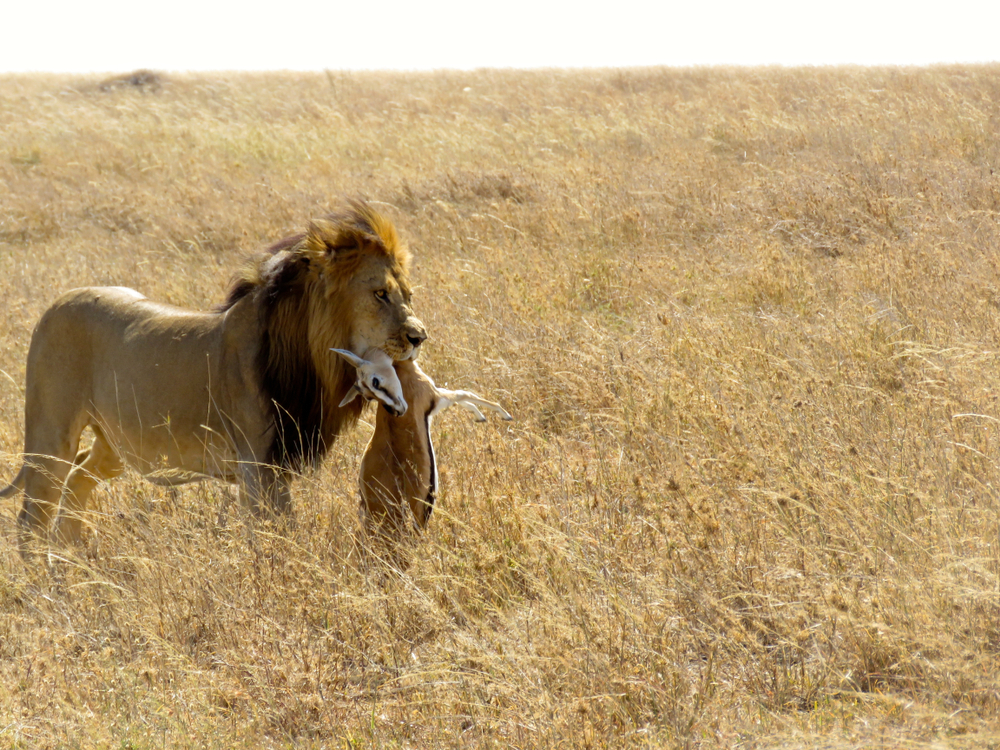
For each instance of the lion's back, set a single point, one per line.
(63, 338)
(83, 324)
(139, 368)
(78, 313)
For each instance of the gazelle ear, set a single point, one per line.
(351, 395)
(351, 357)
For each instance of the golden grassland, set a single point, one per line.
(747, 323)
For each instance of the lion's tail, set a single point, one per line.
(16, 484)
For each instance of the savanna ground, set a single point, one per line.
(746, 320)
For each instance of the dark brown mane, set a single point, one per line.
(306, 416)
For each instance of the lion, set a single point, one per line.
(247, 393)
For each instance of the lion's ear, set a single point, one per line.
(323, 237)
(326, 237)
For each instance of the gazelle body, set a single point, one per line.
(399, 468)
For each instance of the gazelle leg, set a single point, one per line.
(470, 401)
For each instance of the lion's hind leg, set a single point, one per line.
(99, 463)
(44, 474)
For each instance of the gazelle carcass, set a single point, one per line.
(399, 469)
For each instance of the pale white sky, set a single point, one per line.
(197, 35)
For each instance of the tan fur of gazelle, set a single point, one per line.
(247, 393)
(399, 468)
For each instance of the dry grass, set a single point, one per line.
(747, 321)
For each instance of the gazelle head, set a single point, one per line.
(377, 380)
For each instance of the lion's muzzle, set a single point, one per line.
(414, 334)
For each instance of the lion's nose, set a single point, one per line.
(416, 339)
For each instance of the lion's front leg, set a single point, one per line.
(44, 477)
(265, 490)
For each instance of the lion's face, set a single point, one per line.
(360, 295)
(379, 296)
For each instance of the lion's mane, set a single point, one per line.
(296, 312)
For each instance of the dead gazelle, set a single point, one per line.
(399, 468)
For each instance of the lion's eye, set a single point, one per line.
(382, 294)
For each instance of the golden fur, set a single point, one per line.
(247, 393)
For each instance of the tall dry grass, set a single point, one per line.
(747, 322)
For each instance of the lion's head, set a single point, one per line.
(359, 265)
(342, 284)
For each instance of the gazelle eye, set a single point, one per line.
(382, 295)
(376, 382)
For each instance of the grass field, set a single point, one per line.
(746, 321)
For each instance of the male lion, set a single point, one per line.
(246, 393)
